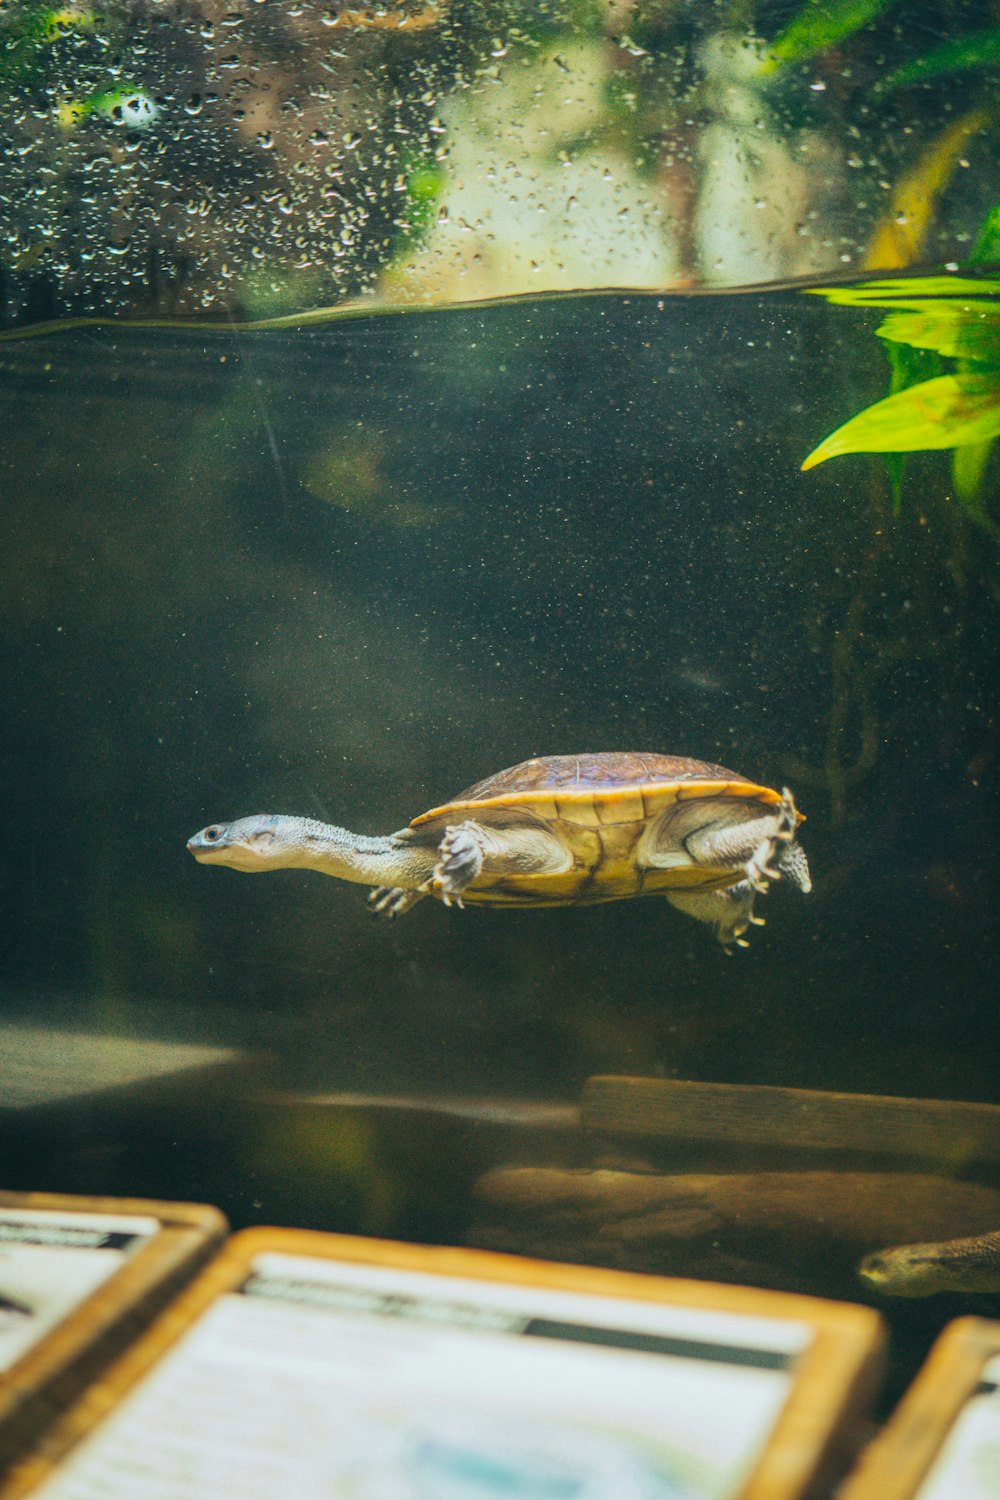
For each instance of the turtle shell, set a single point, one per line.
(602, 807)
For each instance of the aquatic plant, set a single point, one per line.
(980, 49)
(817, 34)
(930, 320)
(27, 36)
(817, 27)
(823, 24)
(128, 108)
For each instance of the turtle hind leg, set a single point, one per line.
(729, 913)
(392, 900)
(764, 863)
(759, 846)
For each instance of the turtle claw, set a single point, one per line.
(391, 901)
(733, 940)
(763, 866)
(460, 859)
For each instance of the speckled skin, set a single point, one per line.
(970, 1264)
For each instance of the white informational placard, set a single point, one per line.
(50, 1262)
(320, 1379)
(968, 1464)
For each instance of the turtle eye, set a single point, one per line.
(213, 834)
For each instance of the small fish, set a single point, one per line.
(970, 1264)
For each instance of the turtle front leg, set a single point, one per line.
(392, 900)
(758, 846)
(460, 860)
(469, 850)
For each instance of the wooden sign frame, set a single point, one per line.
(53, 1370)
(819, 1426)
(900, 1459)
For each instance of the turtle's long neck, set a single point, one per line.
(386, 860)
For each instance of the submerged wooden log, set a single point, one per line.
(938, 1130)
(800, 1230)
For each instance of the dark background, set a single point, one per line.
(347, 572)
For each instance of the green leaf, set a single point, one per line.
(981, 49)
(960, 331)
(910, 291)
(987, 246)
(24, 37)
(940, 413)
(819, 25)
(968, 465)
(908, 366)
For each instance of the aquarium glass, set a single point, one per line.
(392, 395)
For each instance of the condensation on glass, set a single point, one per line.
(263, 157)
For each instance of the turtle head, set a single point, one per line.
(250, 844)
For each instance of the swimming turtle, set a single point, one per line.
(969, 1264)
(562, 830)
